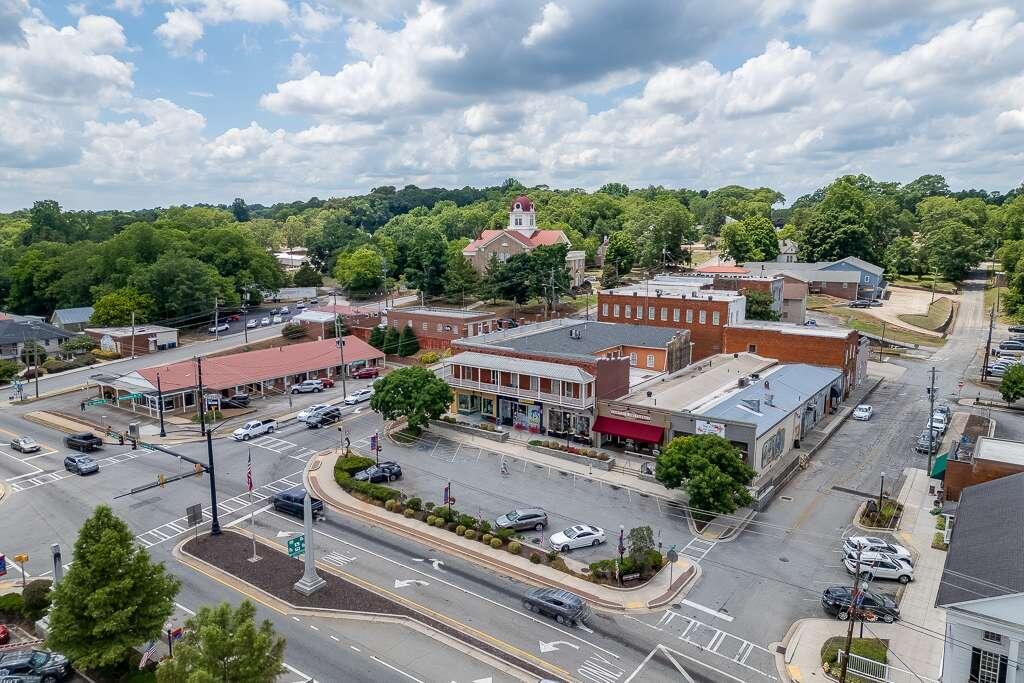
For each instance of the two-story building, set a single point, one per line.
(848, 278)
(16, 332)
(436, 328)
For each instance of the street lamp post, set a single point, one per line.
(881, 488)
(160, 405)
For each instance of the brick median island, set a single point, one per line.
(276, 573)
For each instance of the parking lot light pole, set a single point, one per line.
(881, 487)
(160, 406)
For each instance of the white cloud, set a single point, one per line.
(133, 7)
(315, 19)
(554, 19)
(200, 93)
(252, 11)
(330, 134)
(179, 32)
(77, 9)
(299, 66)
(780, 78)
(1010, 121)
(854, 16)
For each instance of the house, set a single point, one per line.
(848, 278)
(546, 378)
(989, 459)
(265, 372)
(15, 332)
(139, 340)
(293, 259)
(522, 236)
(787, 251)
(360, 320)
(982, 585)
(71, 319)
(436, 328)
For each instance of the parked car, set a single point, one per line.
(561, 605)
(880, 566)
(938, 422)
(277, 319)
(523, 519)
(876, 302)
(254, 428)
(81, 464)
(996, 370)
(1016, 329)
(308, 386)
(25, 444)
(836, 601)
(221, 327)
(860, 303)
(284, 310)
(578, 536)
(945, 410)
(1008, 353)
(306, 413)
(49, 666)
(323, 417)
(385, 471)
(863, 412)
(874, 544)
(274, 310)
(291, 501)
(811, 323)
(314, 302)
(236, 401)
(360, 395)
(234, 317)
(328, 382)
(264, 321)
(83, 441)
(366, 373)
(252, 324)
(1011, 345)
(923, 441)
(300, 305)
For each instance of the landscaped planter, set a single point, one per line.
(572, 457)
(469, 429)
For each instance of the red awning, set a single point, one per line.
(627, 429)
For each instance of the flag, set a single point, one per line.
(177, 633)
(248, 473)
(447, 493)
(147, 654)
(373, 442)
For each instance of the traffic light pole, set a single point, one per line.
(215, 526)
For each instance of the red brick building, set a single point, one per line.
(360, 320)
(437, 328)
(990, 459)
(134, 341)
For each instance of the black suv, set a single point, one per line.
(290, 501)
(236, 401)
(83, 441)
(836, 601)
(49, 666)
(385, 471)
(563, 606)
(323, 417)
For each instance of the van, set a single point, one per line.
(291, 502)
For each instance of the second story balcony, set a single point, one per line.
(548, 383)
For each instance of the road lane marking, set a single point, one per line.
(395, 669)
(707, 610)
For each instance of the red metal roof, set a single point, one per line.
(524, 203)
(734, 270)
(544, 238)
(627, 429)
(539, 238)
(226, 372)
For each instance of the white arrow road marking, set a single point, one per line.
(553, 645)
(483, 680)
(410, 582)
(356, 411)
(437, 563)
(282, 534)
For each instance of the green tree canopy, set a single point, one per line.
(360, 272)
(408, 344)
(759, 305)
(307, 277)
(549, 274)
(224, 645)
(621, 253)
(427, 261)
(713, 469)
(115, 308)
(414, 393)
(460, 278)
(112, 599)
(1012, 385)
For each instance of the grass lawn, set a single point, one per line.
(924, 282)
(990, 301)
(872, 648)
(937, 314)
(862, 321)
(821, 302)
(700, 257)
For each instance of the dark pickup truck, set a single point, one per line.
(83, 441)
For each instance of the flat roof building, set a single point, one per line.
(134, 341)
(436, 328)
(989, 459)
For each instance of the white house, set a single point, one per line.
(982, 585)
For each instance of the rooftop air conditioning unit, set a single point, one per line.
(742, 382)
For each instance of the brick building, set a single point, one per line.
(990, 459)
(437, 328)
(134, 341)
(360, 320)
(734, 279)
(546, 378)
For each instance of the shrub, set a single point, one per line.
(390, 504)
(52, 365)
(486, 538)
(496, 543)
(12, 606)
(8, 370)
(468, 521)
(294, 331)
(100, 354)
(470, 534)
(36, 597)
(351, 465)
(484, 526)
(439, 523)
(535, 558)
(409, 513)
(514, 547)
(552, 554)
(430, 357)
(460, 530)
(430, 519)
(505, 534)
(429, 506)
(414, 503)
(451, 526)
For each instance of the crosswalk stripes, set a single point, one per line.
(51, 477)
(745, 653)
(697, 549)
(273, 444)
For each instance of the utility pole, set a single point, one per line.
(35, 372)
(849, 630)
(931, 411)
(160, 405)
(133, 334)
(245, 322)
(988, 343)
(216, 318)
(215, 526)
(341, 350)
(881, 344)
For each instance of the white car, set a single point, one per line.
(364, 394)
(305, 413)
(277, 319)
(264, 321)
(252, 324)
(284, 310)
(873, 544)
(880, 566)
(579, 536)
(938, 423)
(223, 327)
(863, 412)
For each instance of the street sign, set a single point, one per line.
(296, 546)
(195, 514)
(21, 559)
(672, 555)
(96, 401)
(128, 397)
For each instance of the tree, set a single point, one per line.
(77, 346)
(294, 331)
(736, 244)
(640, 542)
(37, 596)
(713, 469)
(115, 308)
(181, 285)
(759, 304)
(512, 280)
(361, 272)
(902, 257)
(112, 598)
(460, 278)
(428, 258)
(1012, 384)
(240, 210)
(549, 274)
(414, 393)
(621, 253)
(392, 340)
(32, 353)
(8, 370)
(307, 277)
(953, 249)
(713, 491)
(377, 338)
(224, 644)
(408, 344)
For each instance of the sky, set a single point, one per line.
(140, 103)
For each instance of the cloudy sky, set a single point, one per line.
(137, 103)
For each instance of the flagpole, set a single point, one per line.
(252, 511)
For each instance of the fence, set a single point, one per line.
(872, 670)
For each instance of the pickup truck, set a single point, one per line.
(254, 428)
(83, 441)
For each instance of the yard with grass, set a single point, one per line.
(995, 294)
(935, 319)
(942, 286)
(862, 321)
(871, 648)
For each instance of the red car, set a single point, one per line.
(366, 373)
(234, 318)
(327, 382)
(5, 635)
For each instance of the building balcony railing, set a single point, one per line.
(535, 394)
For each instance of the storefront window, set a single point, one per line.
(487, 406)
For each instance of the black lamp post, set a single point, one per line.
(160, 405)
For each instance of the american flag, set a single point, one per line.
(248, 473)
(147, 654)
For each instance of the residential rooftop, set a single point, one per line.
(588, 338)
(676, 290)
(689, 387)
(1000, 450)
(72, 316)
(812, 272)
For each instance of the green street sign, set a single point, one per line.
(128, 397)
(297, 546)
(96, 402)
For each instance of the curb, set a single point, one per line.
(491, 563)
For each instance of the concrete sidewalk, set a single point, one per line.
(916, 644)
(656, 593)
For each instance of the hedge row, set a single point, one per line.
(344, 468)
